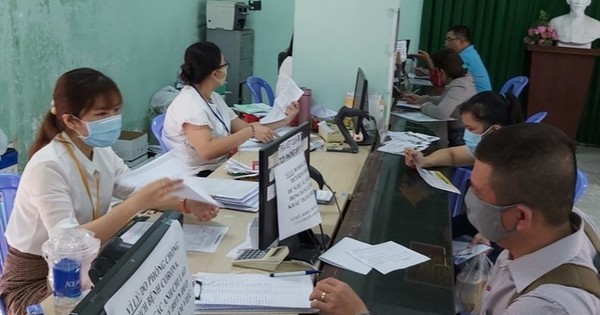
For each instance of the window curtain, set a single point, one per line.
(497, 31)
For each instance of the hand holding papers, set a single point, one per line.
(290, 93)
(166, 164)
(437, 180)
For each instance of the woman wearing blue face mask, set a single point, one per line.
(71, 175)
(481, 114)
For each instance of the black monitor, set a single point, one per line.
(361, 102)
(147, 254)
(304, 245)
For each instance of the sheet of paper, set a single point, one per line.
(168, 265)
(405, 104)
(290, 93)
(252, 108)
(165, 165)
(418, 117)
(196, 237)
(437, 180)
(470, 252)
(297, 208)
(388, 256)
(230, 290)
(338, 255)
(397, 147)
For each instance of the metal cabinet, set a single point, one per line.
(238, 49)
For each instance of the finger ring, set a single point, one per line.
(323, 296)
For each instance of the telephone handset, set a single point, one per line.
(267, 259)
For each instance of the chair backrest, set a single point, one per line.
(515, 85)
(580, 185)
(462, 180)
(537, 117)
(256, 84)
(157, 129)
(8, 190)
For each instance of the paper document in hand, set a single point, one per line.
(437, 180)
(166, 165)
(338, 255)
(253, 293)
(196, 237)
(388, 256)
(470, 252)
(290, 93)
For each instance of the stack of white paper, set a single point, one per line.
(239, 170)
(252, 293)
(232, 194)
(338, 255)
(402, 140)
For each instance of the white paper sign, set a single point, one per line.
(161, 285)
(297, 208)
(290, 148)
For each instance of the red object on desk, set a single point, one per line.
(249, 118)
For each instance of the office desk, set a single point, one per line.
(391, 202)
(340, 170)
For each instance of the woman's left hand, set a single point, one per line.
(203, 211)
(291, 111)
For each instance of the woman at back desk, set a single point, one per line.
(199, 125)
(449, 72)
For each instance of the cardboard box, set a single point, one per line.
(131, 145)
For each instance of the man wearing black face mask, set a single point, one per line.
(521, 197)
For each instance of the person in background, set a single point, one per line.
(458, 38)
(71, 174)
(523, 184)
(285, 69)
(449, 72)
(481, 114)
(199, 126)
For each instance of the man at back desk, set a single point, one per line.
(521, 196)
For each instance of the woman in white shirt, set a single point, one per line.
(71, 174)
(199, 126)
(285, 70)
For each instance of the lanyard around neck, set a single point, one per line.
(96, 206)
(214, 113)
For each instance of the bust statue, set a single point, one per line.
(576, 29)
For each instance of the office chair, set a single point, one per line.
(515, 85)
(536, 118)
(256, 84)
(157, 130)
(8, 189)
(462, 180)
(580, 184)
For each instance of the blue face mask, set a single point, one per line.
(471, 140)
(102, 133)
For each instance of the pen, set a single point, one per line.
(294, 273)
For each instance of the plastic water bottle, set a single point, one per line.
(67, 284)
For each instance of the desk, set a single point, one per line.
(391, 202)
(340, 170)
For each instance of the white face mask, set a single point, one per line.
(486, 218)
(222, 80)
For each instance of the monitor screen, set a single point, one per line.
(361, 95)
(268, 157)
(140, 281)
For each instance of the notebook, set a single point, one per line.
(252, 293)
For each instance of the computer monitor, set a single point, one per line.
(361, 97)
(268, 158)
(140, 281)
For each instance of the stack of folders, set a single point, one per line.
(232, 194)
(252, 293)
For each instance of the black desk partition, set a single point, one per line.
(392, 202)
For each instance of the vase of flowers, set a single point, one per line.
(541, 33)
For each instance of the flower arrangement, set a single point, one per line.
(541, 33)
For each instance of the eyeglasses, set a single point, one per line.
(449, 39)
(225, 65)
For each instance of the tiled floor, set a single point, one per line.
(588, 160)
